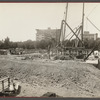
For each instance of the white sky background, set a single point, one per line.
(19, 21)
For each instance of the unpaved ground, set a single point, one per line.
(65, 78)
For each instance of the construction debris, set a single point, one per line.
(9, 87)
(50, 94)
(62, 77)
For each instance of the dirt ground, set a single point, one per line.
(66, 78)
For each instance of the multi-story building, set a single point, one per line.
(47, 34)
(89, 36)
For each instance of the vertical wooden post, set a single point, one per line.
(3, 85)
(8, 83)
(82, 24)
(65, 21)
(98, 66)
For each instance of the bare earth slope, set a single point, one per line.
(65, 78)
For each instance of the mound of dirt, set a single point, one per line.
(50, 94)
(65, 78)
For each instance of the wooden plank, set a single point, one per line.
(5, 83)
(8, 82)
(6, 78)
(2, 85)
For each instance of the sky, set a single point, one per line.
(19, 21)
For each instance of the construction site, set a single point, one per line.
(59, 71)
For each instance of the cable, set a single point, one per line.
(92, 11)
(93, 25)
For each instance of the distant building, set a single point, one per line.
(89, 36)
(47, 34)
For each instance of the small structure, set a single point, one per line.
(8, 87)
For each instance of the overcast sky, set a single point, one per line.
(19, 21)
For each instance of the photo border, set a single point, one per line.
(48, 1)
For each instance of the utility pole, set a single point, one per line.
(65, 21)
(82, 24)
(56, 42)
(63, 38)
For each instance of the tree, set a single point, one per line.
(6, 43)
